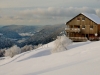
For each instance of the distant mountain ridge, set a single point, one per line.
(10, 34)
(13, 31)
(43, 34)
(46, 35)
(21, 28)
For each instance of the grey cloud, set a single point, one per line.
(55, 12)
(0, 16)
(98, 12)
(46, 15)
(10, 17)
(97, 0)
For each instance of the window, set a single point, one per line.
(78, 19)
(83, 18)
(78, 26)
(83, 26)
(91, 26)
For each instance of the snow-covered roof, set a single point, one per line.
(93, 17)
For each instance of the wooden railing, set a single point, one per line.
(72, 29)
(78, 38)
(94, 38)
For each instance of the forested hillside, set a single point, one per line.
(47, 34)
(42, 34)
(6, 43)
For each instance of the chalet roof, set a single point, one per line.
(93, 17)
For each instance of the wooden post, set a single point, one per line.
(89, 32)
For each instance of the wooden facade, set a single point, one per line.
(82, 28)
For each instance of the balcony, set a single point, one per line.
(72, 29)
(78, 38)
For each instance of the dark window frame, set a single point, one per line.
(91, 26)
(83, 26)
(83, 18)
(78, 18)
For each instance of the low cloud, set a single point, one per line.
(97, 0)
(98, 12)
(56, 12)
(50, 15)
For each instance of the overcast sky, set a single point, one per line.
(44, 12)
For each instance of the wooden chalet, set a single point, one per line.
(83, 27)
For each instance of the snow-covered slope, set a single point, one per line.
(80, 59)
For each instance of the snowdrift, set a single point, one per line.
(80, 59)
